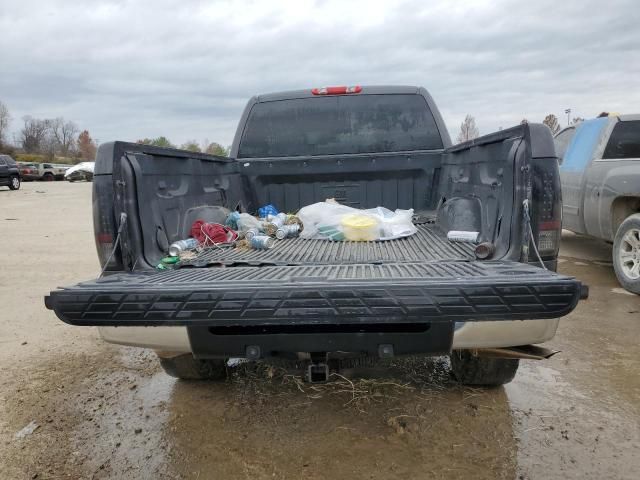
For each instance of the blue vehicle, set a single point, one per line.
(600, 176)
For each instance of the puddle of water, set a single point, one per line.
(383, 427)
(122, 435)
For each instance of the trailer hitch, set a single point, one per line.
(318, 373)
(318, 369)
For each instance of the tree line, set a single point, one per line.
(48, 137)
(211, 148)
(469, 129)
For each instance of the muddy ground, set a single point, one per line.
(103, 411)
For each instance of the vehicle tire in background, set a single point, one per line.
(185, 367)
(48, 177)
(14, 183)
(626, 253)
(469, 369)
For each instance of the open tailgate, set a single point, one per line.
(320, 294)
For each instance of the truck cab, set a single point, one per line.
(600, 175)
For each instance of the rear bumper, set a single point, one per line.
(470, 335)
(434, 338)
(413, 307)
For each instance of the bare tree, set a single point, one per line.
(33, 134)
(577, 120)
(524, 121)
(5, 119)
(551, 121)
(65, 134)
(49, 144)
(468, 129)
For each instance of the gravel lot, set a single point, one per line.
(102, 411)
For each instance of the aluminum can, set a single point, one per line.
(261, 242)
(287, 231)
(182, 245)
(277, 220)
(252, 232)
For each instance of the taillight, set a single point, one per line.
(546, 206)
(104, 247)
(336, 90)
(105, 226)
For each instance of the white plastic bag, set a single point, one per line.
(396, 224)
(332, 221)
(246, 222)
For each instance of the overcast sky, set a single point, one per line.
(131, 69)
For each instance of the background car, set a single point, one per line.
(600, 176)
(28, 171)
(9, 173)
(51, 171)
(81, 171)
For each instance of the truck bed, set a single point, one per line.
(429, 244)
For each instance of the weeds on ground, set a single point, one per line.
(394, 380)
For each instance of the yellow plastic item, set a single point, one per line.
(360, 228)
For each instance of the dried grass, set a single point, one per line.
(416, 377)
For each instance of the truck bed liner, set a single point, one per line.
(428, 244)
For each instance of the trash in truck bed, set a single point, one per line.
(322, 233)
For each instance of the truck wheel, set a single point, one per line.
(186, 367)
(14, 184)
(471, 370)
(48, 177)
(626, 253)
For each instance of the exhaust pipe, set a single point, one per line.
(524, 352)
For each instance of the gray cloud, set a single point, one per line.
(127, 70)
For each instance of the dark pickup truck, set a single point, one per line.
(324, 301)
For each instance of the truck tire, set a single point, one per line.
(48, 177)
(14, 183)
(626, 253)
(471, 370)
(185, 367)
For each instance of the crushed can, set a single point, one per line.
(182, 245)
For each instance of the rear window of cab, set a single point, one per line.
(341, 124)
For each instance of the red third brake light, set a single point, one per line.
(336, 90)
